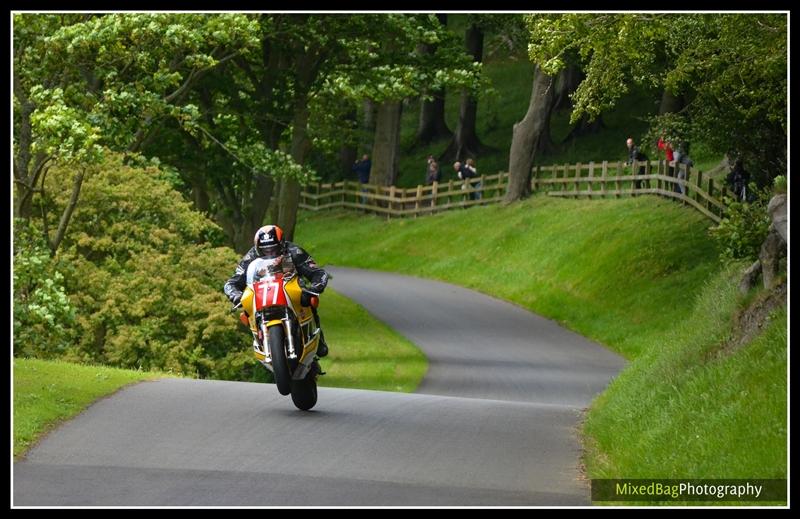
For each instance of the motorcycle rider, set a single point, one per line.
(268, 243)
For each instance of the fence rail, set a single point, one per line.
(587, 181)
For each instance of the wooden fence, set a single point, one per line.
(587, 181)
(397, 201)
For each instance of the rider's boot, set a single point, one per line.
(322, 349)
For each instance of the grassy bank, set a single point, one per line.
(49, 392)
(639, 275)
(620, 272)
(365, 353)
(697, 406)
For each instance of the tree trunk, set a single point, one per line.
(347, 157)
(525, 138)
(670, 103)
(368, 129)
(465, 141)
(301, 147)
(432, 124)
(585, 127)
(386, 150)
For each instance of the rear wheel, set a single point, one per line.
(304, 392)
(280, 367)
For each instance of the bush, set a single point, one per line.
(744, 227)
(145, 274)
(43, 315)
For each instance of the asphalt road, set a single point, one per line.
(493, 424)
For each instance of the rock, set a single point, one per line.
(750, 277)
(777, 209)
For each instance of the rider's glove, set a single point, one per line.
(236, 298)
(317, 288)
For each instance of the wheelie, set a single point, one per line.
(280, 309)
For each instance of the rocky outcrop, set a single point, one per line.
(772, 250)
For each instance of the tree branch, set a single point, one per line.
(67, 214)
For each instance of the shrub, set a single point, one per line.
(744, 227)
(145, 273)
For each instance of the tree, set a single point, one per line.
(389, 68)
(85, 83)
(527, 136)
(432, 124)
(730, 69)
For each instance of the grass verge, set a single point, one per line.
(621, 272)
(49, 392)
(365, 353)
(694, 407)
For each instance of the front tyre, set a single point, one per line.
(304, 392)
(280, 366)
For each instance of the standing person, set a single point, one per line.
(362, 168)
(666, 147)
(470, 165)
(737, 179)
(683, 164)
(434, 174)
(464, 173)
(635, 155)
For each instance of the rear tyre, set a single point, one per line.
(280, 367)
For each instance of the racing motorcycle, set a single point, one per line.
(285, 336)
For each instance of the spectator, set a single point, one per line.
(737, 179)
(683, 164)
(635, 155)
(464, 173)
(666, 146)
(434, 174)
(470, 166)
(362, 168)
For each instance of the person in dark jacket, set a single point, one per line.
(362, 168)
(269, 243)
(737, 179)
(635, 155)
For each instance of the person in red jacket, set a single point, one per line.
(667, 147)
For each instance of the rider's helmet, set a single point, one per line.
(269, 242)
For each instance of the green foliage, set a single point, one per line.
(730, 68)
(744, 227)
(43, 314)
(780, 184)
(145, 272)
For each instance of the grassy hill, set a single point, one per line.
(639, 275)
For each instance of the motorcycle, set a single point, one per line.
(285, 336)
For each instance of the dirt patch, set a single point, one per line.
(752, 320)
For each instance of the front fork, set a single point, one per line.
(286, 322)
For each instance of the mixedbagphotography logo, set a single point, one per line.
(741, 490)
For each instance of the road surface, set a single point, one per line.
(494, 423)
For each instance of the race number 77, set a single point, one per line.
(272, 286)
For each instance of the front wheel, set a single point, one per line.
(304, 392)
(280, 366)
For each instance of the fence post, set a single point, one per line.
(535, 187)
(416, 204)
(604, 175)
(710, 192)
(591, 178)
(434, 194)
(392, 191)
(563, 185)
(699, 185)
(577, 178)
(617, 183)
(450, 192)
